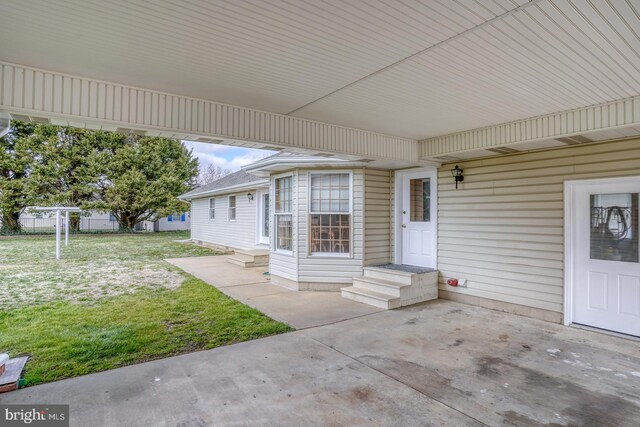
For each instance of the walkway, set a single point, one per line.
(252, 287)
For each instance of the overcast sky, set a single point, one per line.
(228, 157)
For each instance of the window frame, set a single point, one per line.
(235, 207)
(350, 213)
(274, 227)
(212, 209)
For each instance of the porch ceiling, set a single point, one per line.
(415, 69)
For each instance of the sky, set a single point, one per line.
(226, 156)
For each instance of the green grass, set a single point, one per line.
(91, 267)
(78, 333)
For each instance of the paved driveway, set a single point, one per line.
(440, 363)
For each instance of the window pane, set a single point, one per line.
(232, 201)
(420, 200)
(614, 227)
(265, 215)
(283, 232)
(330, 192)
(283, 194)
(330, 233)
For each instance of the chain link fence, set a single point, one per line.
(79, 226)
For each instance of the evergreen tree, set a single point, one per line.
(143, 179)
(70, 166)
(16, 160)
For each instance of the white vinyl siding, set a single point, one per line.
(377, 216)
(502, 230)
(239, 234)
(163, 224)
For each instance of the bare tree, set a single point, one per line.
(212, 173)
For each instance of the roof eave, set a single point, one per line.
(230, 189)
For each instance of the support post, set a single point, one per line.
(57, 234)
(66, 228)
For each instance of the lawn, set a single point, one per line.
(111, 301)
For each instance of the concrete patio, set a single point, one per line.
(252, 287)
(439, 363)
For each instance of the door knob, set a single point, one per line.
(404, 225)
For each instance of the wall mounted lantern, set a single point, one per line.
(250, 196)
(457, 175)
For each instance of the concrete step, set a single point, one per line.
(394, 276)
(243, 257)
(379, 285)
(372, 298)
(250, 258)
(244, 262)
(259, 257)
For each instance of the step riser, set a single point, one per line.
(252, 258)
(246, 264)
(387, 305)
(417, 295)
(377, 287)
(389, 276)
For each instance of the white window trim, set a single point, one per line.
(274, 226)
(235, 216)
(214, 208)
(350, 213)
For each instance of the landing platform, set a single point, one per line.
(406, 268)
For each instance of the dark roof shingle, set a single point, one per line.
(232, 180)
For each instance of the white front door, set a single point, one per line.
(263, 217)
(605, 250)
(418, 218)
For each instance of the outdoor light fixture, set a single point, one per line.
(250, 196)
(457, 175)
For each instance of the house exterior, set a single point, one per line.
(500, 234)
(178, 221)
(231, 212)
(537, 102)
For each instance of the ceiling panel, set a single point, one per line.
(548, 57)
(275, 55)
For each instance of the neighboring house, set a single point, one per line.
(178, 221)
(93, 220)
(232, 212)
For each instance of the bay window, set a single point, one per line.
(283, 213)
(330, 213)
